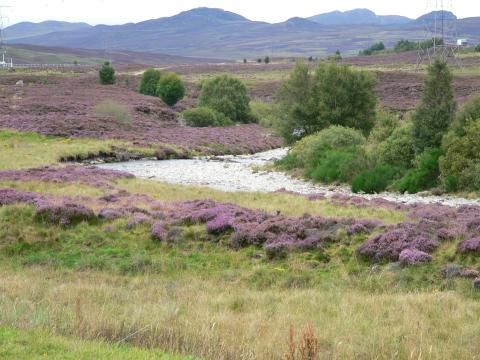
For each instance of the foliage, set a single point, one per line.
(313, 148)
(376, 180)
(267, 60)
(170, 89)
(424, 176)
(477, 48)
(334, 95)
(149, 82)
(434, 115)
(204, 117)
(467, 114)
(107, 74)
(228, 96)
(385, 123)
(460, 167)
(407, 45)
(398, 149)
(114, 110)
(266, 113)
(373, 49)
(338, 165)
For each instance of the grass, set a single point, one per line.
(33, 345)
(27, 150)
(51, 188)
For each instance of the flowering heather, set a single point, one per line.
(476, 283)
(71, 174)
(220, 224)
(12, 196)
(471, 246)
(65, 214)
(158, 232)
(414, 257)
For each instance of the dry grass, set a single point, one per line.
(114, 110)
(225, 320)
(287, 204)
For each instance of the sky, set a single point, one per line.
(121, 11)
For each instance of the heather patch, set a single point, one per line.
(414, 257)
(471, 246)
(65, 214)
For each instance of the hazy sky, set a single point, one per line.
(121, 11)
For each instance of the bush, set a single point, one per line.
(149, 82)
(205, 117)
(107, 74)
(228, 96)
(114, 110)
(460, 167)
(339, 166)
(433, 117)
(373, 49)
(399, 149)
(267, 114)
(170, 89)
(477, 48)
(385, 123)
(376, 180)
(467, 114)
(313, 148)
(425, 175)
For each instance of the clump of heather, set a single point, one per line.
(220, 224)
(158, 232)
(476, 283)
(414, 257)
(71, 174)
(12, 196)
(66, 214)
(279, 250)
(471, 246)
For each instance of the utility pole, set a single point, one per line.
(3, 47)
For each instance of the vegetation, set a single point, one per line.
(227, 95)
(407, 45)
(114, 110)
(170, 88)
(433, 117)
(107, 74)
(334, 95)
(375, 48)
(149, 82)
(204, 117)
(376, 180)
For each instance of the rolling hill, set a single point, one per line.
(28, 29)
(214, 33)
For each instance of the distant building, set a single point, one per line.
(463, 42)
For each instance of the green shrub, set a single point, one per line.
(335, 95)
(376, 180)
(462, 158)
(399, 148)
(313, 148)
(228, 96)
(170, 89)
(114, 110)
(107, 74)
(433, 117)
(425, 175)
(205, 117)
(477, 48)
(373, 49)
(149, 82)
(385, 123)
(339, 166)
(266, 113)
(469, 112)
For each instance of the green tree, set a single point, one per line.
(107, 74)
(149, 82)
(228, 96)
(435, 113)
(170, 89)
(267, 60)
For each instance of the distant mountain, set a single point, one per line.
(358, 17)
(215, 33)
(28, 29)
(436, 15)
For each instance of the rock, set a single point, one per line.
(469, 274)
(19, 83)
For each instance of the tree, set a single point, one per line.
(335, 95)
(107, 74)
(259, 60)
(149, 82)
(267, 60)
(244, 61)
(436, 111)
(170, 89)
(228, 96)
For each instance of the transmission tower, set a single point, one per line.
(440, 35)
(3, 47)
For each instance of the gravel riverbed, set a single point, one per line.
(244, 173)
